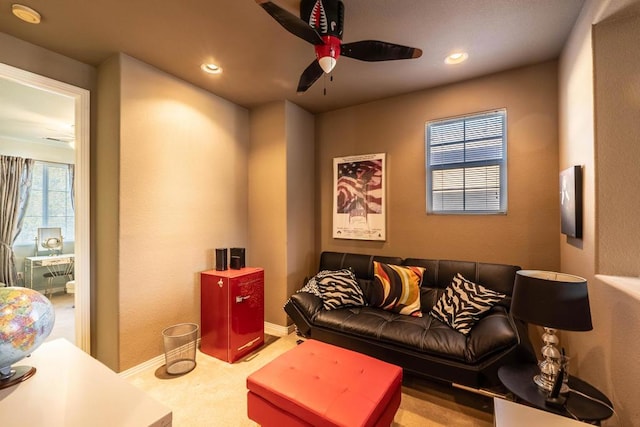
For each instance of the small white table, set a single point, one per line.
(509, 414)
(72, 389)
(50, 262)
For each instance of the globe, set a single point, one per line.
(26, 320)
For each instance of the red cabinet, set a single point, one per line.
(231, 312)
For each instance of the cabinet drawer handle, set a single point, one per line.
(220, 282)
(240, 298)
(249, 344)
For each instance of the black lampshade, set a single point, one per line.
(553, 300)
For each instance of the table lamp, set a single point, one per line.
(553, 301)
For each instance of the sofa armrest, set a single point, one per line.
(303, 308)
(307, 304)
(492, 334)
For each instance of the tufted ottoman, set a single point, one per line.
(317, 384)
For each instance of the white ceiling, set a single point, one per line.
(262, 62)
(33, 115)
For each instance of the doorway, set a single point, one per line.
(82, 265)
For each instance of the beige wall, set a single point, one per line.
(617, 90)
(608, 356)
(301, 256)
(526, 236)
(268, 204)
(105, 341)
(281, 201)
(29, 57)
(182, 160)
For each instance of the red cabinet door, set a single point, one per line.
(247, 314)
(214, 315)
(232, 312)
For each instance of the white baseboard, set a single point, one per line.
(277, 330)
(156, 362)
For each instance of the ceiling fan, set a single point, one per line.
(321, 23)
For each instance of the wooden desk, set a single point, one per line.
(71, 389)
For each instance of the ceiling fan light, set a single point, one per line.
(327, 63)
(26, 13)
(456, 58)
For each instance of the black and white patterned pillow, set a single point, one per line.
(463, 302)
(311, 287)
(337, 289)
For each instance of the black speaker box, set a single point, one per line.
(221, 259)
(238, 253)
(234, 263)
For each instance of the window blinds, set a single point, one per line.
(466, 164)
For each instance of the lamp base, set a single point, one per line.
(18, 374)
(547, 385)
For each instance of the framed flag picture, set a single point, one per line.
(359, 197)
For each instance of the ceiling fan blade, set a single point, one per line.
(309, 76)
(291, 23)
(374, 50)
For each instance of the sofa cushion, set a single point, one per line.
(397, 288)
(429, 297)
(423, 334)
(336, 289)
(463, 302)
(361, 265)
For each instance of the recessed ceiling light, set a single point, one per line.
(456, 58)
(25, 13)
(211, 68)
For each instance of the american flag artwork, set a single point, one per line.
(360, 187)
(359, 197)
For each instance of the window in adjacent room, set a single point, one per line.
(467, 164)
(50, 202)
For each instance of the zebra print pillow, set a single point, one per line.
(337, 289)
(462, 303)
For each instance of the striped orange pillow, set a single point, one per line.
(396, 288)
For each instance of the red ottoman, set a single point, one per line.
(317, 384)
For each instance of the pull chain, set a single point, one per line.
(324, 82)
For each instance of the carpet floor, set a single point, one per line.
(64, 326)
(215, 394)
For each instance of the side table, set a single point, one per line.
(519, 380)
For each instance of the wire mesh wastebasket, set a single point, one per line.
(180, 347)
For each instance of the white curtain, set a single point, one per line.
(72, 185)
(15, 182)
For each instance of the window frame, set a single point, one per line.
(45, 218)
(464, 165)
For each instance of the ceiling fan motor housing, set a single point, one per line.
(327, 18)
(328, 53)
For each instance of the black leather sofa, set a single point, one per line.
(422, 346)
